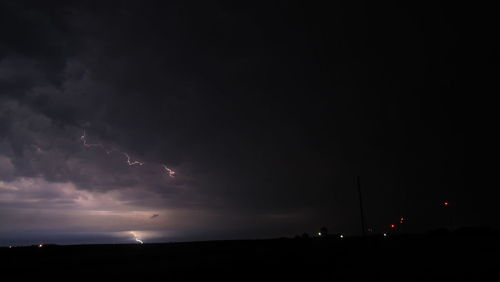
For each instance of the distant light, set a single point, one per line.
(319, 233)
(10, 247)
(385, 234)
(393, 225)
(341, 236)
(446, 204)
(40, 245)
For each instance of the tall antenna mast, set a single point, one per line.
(361, 207)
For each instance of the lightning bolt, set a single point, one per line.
(170, 172)
(109, 150)
(130, 162)
(88, 145)
(137, 238)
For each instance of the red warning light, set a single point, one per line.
(446, 204)
(393, 225)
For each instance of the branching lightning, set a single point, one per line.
(170, 172)
(108, 150)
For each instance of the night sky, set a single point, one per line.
(215, 120)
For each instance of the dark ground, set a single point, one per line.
(471, 255)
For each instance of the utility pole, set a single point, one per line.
(361, 207)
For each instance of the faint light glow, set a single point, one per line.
(341, 236)
(393, 226)
(385, 234)
(38, 150)
(40, 246)
(446, 204)
(401, 220)
(144, 235)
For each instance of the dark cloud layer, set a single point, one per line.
(266, 112)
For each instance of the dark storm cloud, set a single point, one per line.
(266, 114)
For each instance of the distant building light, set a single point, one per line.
(40, 245)
(446, 204)
(393, 226)
(319, 233)
(341, 236)
(385, 234)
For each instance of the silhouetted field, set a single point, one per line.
(465, 255)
